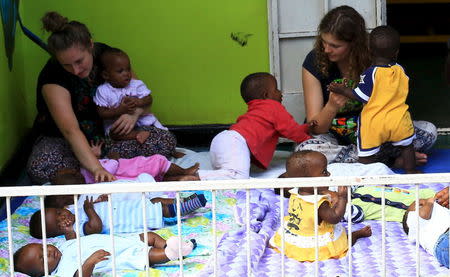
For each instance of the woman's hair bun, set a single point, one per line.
(54, 22)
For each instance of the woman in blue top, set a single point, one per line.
(341, 51)
(67, 118)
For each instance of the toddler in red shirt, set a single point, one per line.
(253, 138)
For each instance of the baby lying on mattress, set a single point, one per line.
(95, 254)
(434, 223)
(94, 218)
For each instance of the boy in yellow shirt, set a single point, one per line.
(383, 89)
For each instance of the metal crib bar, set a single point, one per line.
(349, 224)
(417, 234)
(316, 233)
(214, 226)
(10, 243)
(383, 232)
(448, 187)
(247, 212)
(144, 217)
(111, 233)
(282, 231)
(77, 232)
(179, 232)
(44, 235)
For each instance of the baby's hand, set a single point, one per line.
(98, 256)
(335, 87)
(101, 198)
(334, 197)
(96, 147)
(88, 204)
(342, 192)
(65, 226)
(311, 125)
(130, 104)
(430, 201)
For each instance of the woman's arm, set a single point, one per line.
(127, 106)
(59, 104)
(315, 107)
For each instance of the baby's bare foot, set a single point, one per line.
(365, 232)
(178, 154)
(189, 178)
(164, 201)
(421, 159)
(142, 136)
(413, 171)
(192, 170)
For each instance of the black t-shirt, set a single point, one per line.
(310, 64)
(81, 92)
(352, 107)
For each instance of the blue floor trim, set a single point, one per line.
(438, 162)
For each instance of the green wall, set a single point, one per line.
(14, 111)
(181, 49)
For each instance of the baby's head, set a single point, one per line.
(384, 42)
(64, 176)
(68, 176)
(116, 67)
(307, 163)
(55, 221)
(260, 85)
(29, 259)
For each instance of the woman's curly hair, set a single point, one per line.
(345, 24)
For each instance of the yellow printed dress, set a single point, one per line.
(299, 231)
(385, 116)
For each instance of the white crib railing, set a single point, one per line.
(214, 186)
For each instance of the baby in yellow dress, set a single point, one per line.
(298, 226)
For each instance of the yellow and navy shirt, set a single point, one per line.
(385, 116)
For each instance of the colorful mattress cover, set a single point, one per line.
(265, 219)
(196, 226)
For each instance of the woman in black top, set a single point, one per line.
(67, 119)
(341, 51)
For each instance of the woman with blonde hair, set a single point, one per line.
(67, 118)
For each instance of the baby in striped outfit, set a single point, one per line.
(127, 213)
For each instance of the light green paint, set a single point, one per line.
(13, 108)
(181, 49)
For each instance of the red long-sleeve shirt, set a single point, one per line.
(264, 122)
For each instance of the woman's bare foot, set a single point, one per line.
(142, 136)
(192, 170)
(364, 232)
(421, 159)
